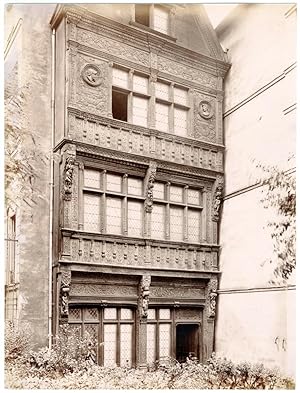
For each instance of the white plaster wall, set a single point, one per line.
(252, 313)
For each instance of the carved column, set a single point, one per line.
(209, 316)
(109, 82)
(64, 296)
(149, 184)
(80, 194)
(216, 206)
(67, 180)
(144, 293)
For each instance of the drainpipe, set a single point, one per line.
(51, 184)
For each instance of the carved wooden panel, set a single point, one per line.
(144, 143)
(204, 118)
(88, 83)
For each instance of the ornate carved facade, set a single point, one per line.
(139, 130)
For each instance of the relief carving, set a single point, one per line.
(205, 109)
(144, 295)
(91, 75)
(176, 293)
(102, 290)
(65, 292)
(212, 297)
(150, 179)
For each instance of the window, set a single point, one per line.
(176, 213)
(131, 102)
(159, 324)
(154, 16)
(130, 99)
(113, 203)
(114, 326)
(171, 108)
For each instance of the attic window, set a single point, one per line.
(156, 17)
(142, 14)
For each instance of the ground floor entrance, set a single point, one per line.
(187, 342)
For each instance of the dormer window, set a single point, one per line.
(154, 16)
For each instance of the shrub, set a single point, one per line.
(70, 352)
(17, 340)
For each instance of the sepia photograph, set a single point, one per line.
(149, 196)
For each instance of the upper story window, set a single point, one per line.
(155, 16)
(171, 108)
(130, 99)
(131, 102)
(177, 213)
(11, 250)
(113, 203)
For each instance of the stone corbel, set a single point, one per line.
(64, 294)
(217, 199)
(144, 295)
(69, 164)
(212, 297)
(149, 181)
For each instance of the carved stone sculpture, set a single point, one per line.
(212, 297)
(68, 177)
(65, 291)
(91, 75)
(144, 295)
(150, 179)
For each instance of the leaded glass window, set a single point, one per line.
(91, 213)
(113, 326)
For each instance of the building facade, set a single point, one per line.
(138, 129)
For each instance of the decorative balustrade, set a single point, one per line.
(121, 251)
(113, 134)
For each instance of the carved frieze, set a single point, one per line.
(144, 295)
(113, 47)
(212, 297)
(192, 314)
(79, 289)
(150, 179)
(173, 67)
(176, 293)
(64, 293)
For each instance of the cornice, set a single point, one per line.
(90, 51)
(136, 37)
(144, 130)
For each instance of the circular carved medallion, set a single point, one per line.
(91, 75)
(205, 109)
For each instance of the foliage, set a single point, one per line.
(17, 340)
(215, 374)
(280, 193)
(70, 352)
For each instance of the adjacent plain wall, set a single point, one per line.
(256, 320)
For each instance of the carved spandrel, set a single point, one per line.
(190, 314)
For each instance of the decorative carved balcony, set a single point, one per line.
(124, 137)
(112, 250)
